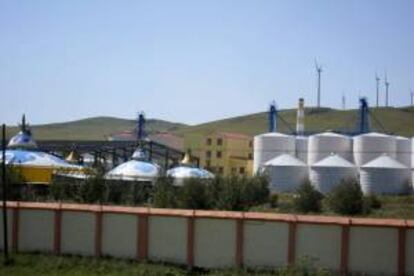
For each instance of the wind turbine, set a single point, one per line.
(387, 84)
(412, 97)
(318, 71)
(377, 79)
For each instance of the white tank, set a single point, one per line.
(403, 151)
(385, 175)
(302, 148)
(328, 173)
(371, 145)
(324, 144)
(286, 173)
(270, 145)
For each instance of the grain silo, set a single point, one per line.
(286, 173)
(270, 145)
(385, 175)
(328, 173)
(403, 152)
(371, 145)
(302, 148)
(324, 144)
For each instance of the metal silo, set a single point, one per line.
(324, 144)
(403, 151)
(371, 145)
(270, 145)
(385, 175)
(302, 148)
(328, 173)
(286, 173)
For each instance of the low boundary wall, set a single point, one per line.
(213, 239)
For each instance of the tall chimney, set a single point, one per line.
(300, 119)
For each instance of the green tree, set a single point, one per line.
(308, 199)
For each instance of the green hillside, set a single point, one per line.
(396, 120)
(97, 128)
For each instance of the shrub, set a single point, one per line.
(92, 190)
(273, 200)
(308, 199)
(373, 202)
(164, 195)
(14, 181)
(347, 198)
(193, 194)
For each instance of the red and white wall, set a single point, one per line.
(213, 239)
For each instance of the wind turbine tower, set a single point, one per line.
(377, 79)
(412, 97)
(387, 84)
(343, 101)
(318, 71)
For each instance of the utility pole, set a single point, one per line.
(412, 97)
(377, 79)
(318, 71)
(343, 101)
(4, 186)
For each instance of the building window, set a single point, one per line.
(218, 154)
(250, 144)
(208, 142)
(242, 171)
(220, 170)
(233, 170)
(219, 142)
(208, 154)
(208, 164)
(250, 156)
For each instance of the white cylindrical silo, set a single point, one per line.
(302, 148)
(403, 152)
(328, 173)
(324, 144)
(270, 145)
(385, 175)
(369, 146)
(286, 173)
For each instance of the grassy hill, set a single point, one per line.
(97, 128)
(396, 120)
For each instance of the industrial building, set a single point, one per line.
(223, 153)
(382, 163)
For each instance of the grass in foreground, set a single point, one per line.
(38, 264)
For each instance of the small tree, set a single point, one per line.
(308, 199)
(193, 194)
(93, 189)
(347, 198)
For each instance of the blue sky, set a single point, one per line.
(196, 61)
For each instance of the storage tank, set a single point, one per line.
(321, 145)
(371, 145)
(328, 173)
(286, 173)
(385, 175)
(302, 148)
(270, 145)
(403, 151)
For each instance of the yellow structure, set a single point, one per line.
(222, 152)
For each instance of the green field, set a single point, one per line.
(394, 120)
(48, 265)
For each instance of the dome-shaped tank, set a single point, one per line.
(328, 173)
(324, 144)
(369, 146)
(385, 175)
(22, 140)
(302, 148)
(186, 170)
(286, 173)
(403, 153)
(270, 145)
(136, 169)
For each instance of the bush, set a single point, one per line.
(164, 195)
(347, 198)
(193, 194)
(273, 200)
(373, 202)
(93, 189)
(308, 199)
